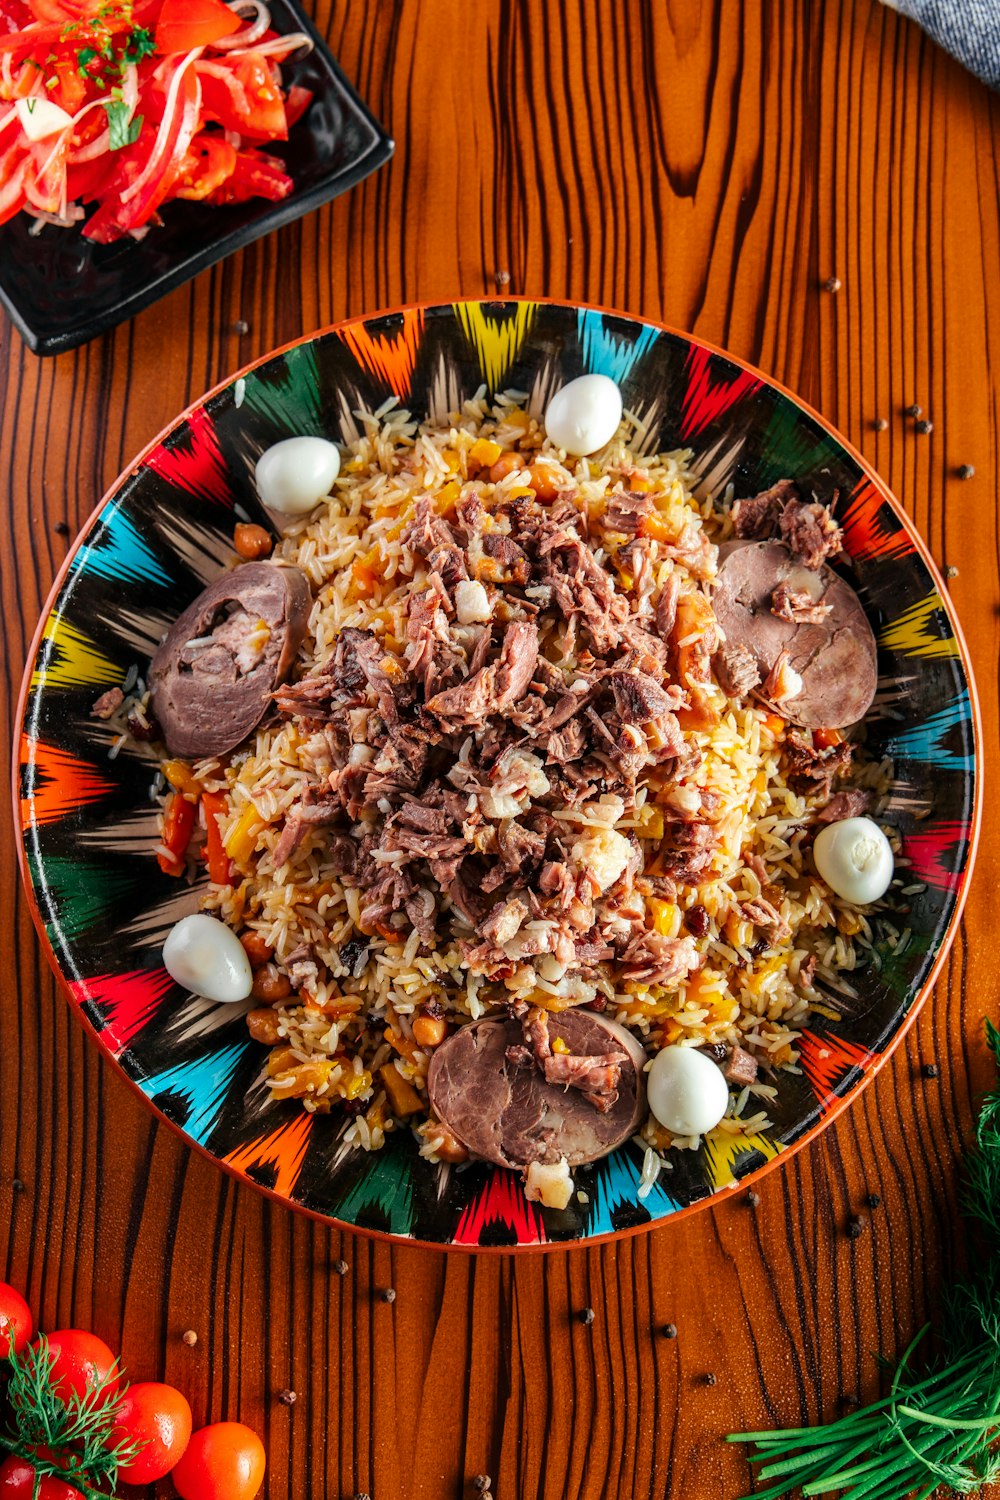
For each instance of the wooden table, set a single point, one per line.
(705, 164)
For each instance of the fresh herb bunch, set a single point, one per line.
(60, 1433)
(942, 1429)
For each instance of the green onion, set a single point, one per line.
(941, 1429)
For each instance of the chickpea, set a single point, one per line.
(270, 984)
(251, 541)
(506, 464)
(544, 481)
(263, 1026)
(257, 951)
(429, 1031)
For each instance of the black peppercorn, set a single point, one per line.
(17, 1185)
(923, 427)
(387, 1294)
(241, 326)
(287, 1398)
(61, 528)
(856, 1227)
(753, 1200)
(967, 471)
(669, 1330)
(481, 1482)
(832, 284)
(710, 1379)
(873, 1200)
(880, 424)
(586, 1316)
(341, 1267)
(930, 1070)
(913, 411)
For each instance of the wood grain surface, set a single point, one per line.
(710, 165)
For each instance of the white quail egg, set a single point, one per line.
(584, 415)
(293, 476)
(686, 1091)
(854, 857)
(206, 956)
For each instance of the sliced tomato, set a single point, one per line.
(15, 15)
(297, 101)
(24, 43)
(262, 116)
(14, 166)
(223, 98)
(66, 12)
(185, 24)
(150, 167)
(209, 161)
(255, 175)
(69, 90)
(87, 181)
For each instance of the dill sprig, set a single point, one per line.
(60, 1433)
(939, 1429)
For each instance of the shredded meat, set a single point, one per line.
(651, 958)
(626, 509)
(756, 519)
(492, 689)
(766, 916)
(852, 803)
(736, 671)
(687, 849)
(807, 528)
(666, 606)
(797, 606)
(107, 704)
(811, 532)
(596, 1076)
(813, 771)
(442, 758)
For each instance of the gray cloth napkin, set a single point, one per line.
(968, 29)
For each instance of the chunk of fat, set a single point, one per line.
(472, 603)
(603, 853)
(551, 1186)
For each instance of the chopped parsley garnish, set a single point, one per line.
(84, 58)
(139, 44)
(124, 132)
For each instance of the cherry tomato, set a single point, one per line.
(80, 1361)
(17, 1482)
(159, 1418)
(222, 1462)
(15, 1320)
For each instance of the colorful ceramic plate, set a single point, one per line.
(165, 530)
(61, 289)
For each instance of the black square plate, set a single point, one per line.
(61, 290)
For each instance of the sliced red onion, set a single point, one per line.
(249, 34)
(153, 164)
(279, 46)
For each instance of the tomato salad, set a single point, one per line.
(127, 104)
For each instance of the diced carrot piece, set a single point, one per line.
(177, 827)
(402, 1095)
(826, 739)
(485, 452)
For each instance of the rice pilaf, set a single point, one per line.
(755, 928)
